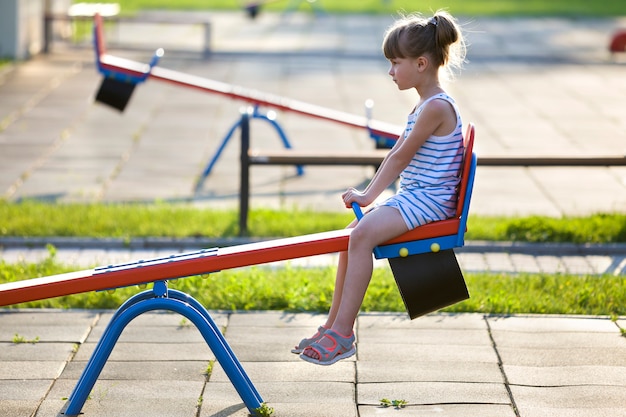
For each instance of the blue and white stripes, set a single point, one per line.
(428, 184)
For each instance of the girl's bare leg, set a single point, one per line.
(339, 280)
(337, 294)
(376, 227)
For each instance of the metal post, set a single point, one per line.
(244, 189)
(206, 52)
(47, 32)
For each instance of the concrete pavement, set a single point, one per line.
(442, 364)
(531, 86)
(538, 86)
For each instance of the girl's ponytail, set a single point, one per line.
(439, 37)
(449, 42)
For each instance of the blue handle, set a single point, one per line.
(357, 211)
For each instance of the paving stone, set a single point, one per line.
(430, 321)
(558, 340)
(161, 370)
(171, 351)
(426, 353)
(426, 393)
(276, 318)
(19, 408)
(31, 390)
(31, 369)
(557, 376)
(42, 351)
(440, 410)
(186, 332)
(563, 357)
(570, 401)
(130, 398)
(416, 337)
(293, 371)
(254, 352)
(402, 371)
(45, 333)
(336, 396)
(547, 323)
(33, 317)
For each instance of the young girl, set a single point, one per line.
(427, 157)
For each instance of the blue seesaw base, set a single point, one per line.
(162, 298)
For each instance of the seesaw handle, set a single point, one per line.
(357, 211)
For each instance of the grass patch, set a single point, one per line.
(127, 221)
(310, 290)
(596, 228)
(456, 7)
(18, 339)
(31, 218)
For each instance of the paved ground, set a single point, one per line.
(532, 86)
(445, 365)
(539, 87)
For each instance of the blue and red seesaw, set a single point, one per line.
(121, 76)
(422, 261)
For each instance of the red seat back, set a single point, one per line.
(98, 36)
(465, 168)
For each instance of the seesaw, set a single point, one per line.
(254, 8)
(422, 261)
(121, 76)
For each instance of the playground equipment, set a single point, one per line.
(422, 261)
(618, 43)
(254, 8)
(120, 76)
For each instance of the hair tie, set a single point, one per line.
(432, 21)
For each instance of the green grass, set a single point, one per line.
(298, 289)
(456, 7)
(127, 221)
(310, 289)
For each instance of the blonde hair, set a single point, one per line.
(438, 37)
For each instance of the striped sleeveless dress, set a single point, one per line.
(428, 185)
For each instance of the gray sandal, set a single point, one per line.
(304, 343)
(343, 347)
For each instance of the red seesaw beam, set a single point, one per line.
(137, 69)
(197, 263)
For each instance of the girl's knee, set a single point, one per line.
(362, 238)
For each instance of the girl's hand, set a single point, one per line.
(352, 195)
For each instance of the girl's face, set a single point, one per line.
(405, 72)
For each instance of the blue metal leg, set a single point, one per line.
(255, 114)
(186, 306)
(217, 154)
(186, 298)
